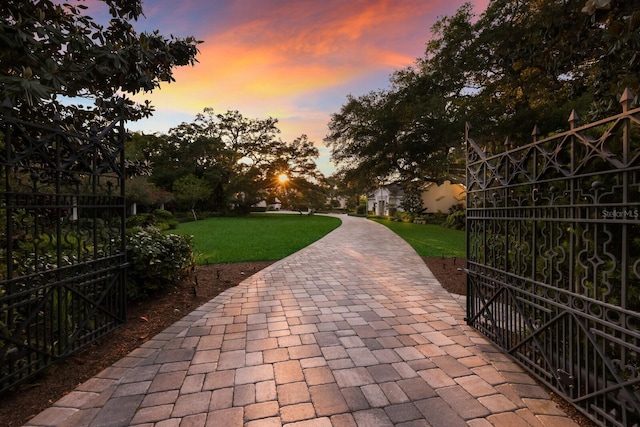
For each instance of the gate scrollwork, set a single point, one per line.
(553, 260)
(62, 253)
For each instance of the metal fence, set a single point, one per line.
(62, 246)
(553, 232)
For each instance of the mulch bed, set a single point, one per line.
(144, 320)
(449, 272)
(151, 317)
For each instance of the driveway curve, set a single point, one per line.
(353, 330)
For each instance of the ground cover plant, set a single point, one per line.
(429, 240)
(257, 237)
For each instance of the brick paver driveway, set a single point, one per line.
(351, 331)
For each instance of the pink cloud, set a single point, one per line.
(302, 44)
(292, 59)
(324, 30)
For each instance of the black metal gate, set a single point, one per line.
(553, 232)
(62, 246)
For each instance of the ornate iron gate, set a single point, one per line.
(62, 247)
(553, 232)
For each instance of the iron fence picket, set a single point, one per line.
(62, 244)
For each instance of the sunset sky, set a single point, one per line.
(295, 60)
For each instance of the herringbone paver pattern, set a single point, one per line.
(351, 331)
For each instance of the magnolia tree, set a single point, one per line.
(54, 53)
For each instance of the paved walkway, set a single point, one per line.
(353, 330)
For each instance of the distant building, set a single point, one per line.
(435, 198)
(385, 198)
(275, 206)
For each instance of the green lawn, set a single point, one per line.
(430, 240)
(258, 237)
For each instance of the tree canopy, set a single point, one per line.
(518, 64)
(238, 158)
(51, 53)
(54, 58)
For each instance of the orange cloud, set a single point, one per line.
(264, 57)
(284, 58)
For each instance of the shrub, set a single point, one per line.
(400, 216)
(437, 218)
(155, 260)
(159, 218)
(165, 220)
(457, 217)
(162, 214)
(140, 220)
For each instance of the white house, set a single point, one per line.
(385, 198)
(275, 206)
(435, 198)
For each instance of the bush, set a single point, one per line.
(362, 209)
(437, 218)
(155, 260)
(403, 216)
(140, 220)
(159, 218)
(457, 217)
(163, 215)
(165, 220)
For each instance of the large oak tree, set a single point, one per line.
(238, 157)
(520, 64)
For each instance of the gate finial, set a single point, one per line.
(626, 99)
(535, 133)
(573, 119)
